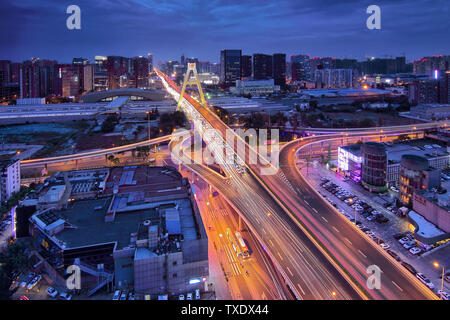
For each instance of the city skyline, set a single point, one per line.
(287, 26)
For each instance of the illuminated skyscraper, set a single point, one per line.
(230, 66)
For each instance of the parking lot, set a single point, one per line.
(381, 224)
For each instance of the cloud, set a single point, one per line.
(202, 28)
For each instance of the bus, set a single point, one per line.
(244, 248)
(236, 247)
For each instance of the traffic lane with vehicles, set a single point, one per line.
(361, 251)
(386, 231)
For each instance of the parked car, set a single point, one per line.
(415, 250)
(131, 296)
(181, 297)
(52, 292)
(409, 245)
(123, 296)
(404, 240)
(425, 280)
(197, 294)
(116, 295)
(65, 296)
(189, 296)
(444, 295)
(409, 267)
(394, 255)
(385, 246)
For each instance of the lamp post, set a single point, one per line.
(148, 119)
(436, 265)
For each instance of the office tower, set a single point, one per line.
(100, 73)
(279, 69)
(69, 80)
(150, 62)
(38, 78)
(118, 71)
(262, 66)
(140, 72)
(301, 67)
(246, 66)
(230, 66)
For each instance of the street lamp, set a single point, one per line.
(148, 119)
(436, 265)
(333, 294)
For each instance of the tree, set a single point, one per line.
(13, 260)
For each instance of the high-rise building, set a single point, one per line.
(416, 174)
(262, 66)
(424, 91)
(118, 70)
(38, 78)
(279, 69)
(334, 78)
(301, 67)
(69, 80)
(246, 66)
(9, 80)
(230, 66)
(9, 178)
(150, 62)
(140, 72)
(100, 73)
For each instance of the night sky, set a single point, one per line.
(32, 28)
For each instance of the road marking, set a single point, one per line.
(347, 240)
(362, 253)
(335, 229)
(280, 255)
(301, 289)
(315, 210)
(324, 219)
(398, 287)
(307, 202)
(290, 271)
(271, 243)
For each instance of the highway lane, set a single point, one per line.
(95, 153)
(352, 248)
(310, 274)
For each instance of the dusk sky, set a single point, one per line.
(30, 28)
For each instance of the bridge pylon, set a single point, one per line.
(194, 80)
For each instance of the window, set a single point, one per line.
(174, 275)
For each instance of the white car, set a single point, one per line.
(445, 295)
(181, 297)
(415, 250)
(404, 240)
(385, 246)
(189, 296)
(52, 292)
(425, 280)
